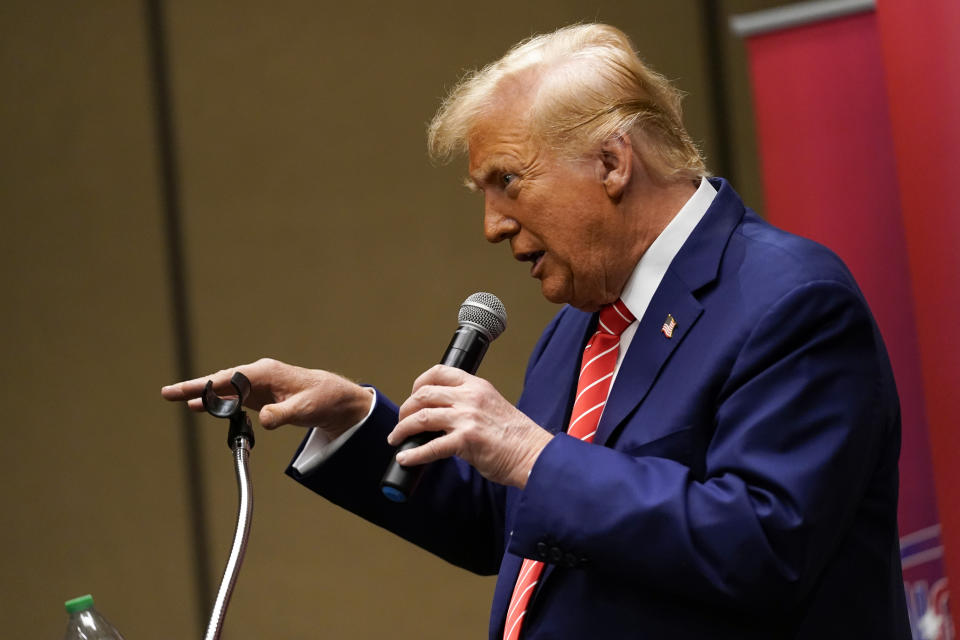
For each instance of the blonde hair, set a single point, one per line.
(589, 86)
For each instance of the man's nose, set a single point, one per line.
(496, 225)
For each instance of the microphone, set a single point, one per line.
(482, 319)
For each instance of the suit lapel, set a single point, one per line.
(649, 351)
(694, 266)
(555, 374)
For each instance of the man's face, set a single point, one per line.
(555, 212)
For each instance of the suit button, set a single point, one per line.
(570, 560)
(556, 554)
(541, 549)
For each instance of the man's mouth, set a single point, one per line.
(533, 257)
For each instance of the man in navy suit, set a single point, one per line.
(742, 480)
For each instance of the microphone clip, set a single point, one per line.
(232, 408)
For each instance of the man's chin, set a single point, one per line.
(553, 293)
(563, 295)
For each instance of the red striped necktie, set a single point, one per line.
(596, 374)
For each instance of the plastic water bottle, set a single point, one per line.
(86, 623)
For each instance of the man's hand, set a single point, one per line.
(478, 424)
(286, 394)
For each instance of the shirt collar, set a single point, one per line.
(654, 263)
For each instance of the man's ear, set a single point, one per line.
(616, 154)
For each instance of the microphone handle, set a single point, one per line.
(465, 351)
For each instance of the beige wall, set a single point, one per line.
(92, 496)
(315, 230)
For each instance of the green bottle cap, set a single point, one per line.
(79, 604)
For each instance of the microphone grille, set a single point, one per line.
(484, 311)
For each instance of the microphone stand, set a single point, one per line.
(240, 440)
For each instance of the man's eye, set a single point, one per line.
(507, 178)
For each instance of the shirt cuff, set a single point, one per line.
(319, 447)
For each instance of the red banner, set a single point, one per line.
(921, 54)
(829, 174)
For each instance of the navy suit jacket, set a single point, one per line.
(743, 479)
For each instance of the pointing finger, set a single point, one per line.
(194, 388)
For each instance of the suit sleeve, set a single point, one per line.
(806, 413)
(455, 513)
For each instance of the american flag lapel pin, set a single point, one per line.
(668, 326)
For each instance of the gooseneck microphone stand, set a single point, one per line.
(240, 440)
